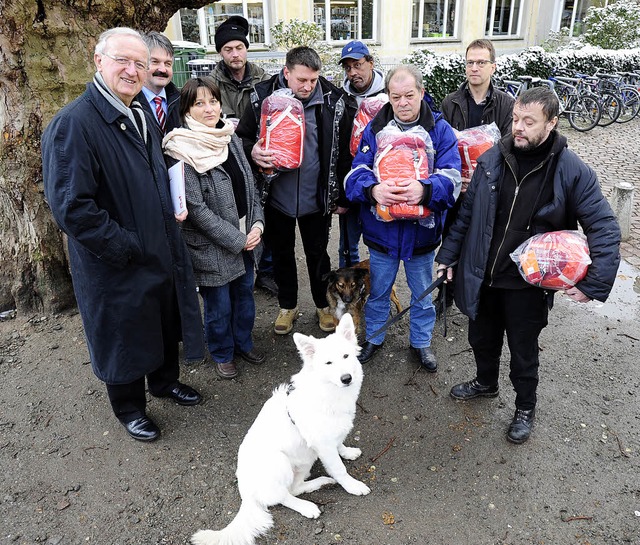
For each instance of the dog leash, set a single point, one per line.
(437, 282)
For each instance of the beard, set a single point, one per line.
(530, 143)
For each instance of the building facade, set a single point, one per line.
(393, 28)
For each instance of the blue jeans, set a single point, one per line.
(351, 225)
(229, 314)
(422, 316)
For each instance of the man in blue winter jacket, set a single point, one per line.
(408, 240)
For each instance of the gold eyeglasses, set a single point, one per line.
(123, 61)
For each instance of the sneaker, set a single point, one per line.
(267, 283)
(285, 319)
(521, 426)
(325, 320)
(471, 389)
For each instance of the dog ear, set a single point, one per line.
(306, 345)
(330, 277)
(347, 329)
(361, 273)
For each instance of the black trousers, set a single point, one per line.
(280, 234)
(522, 314)
(129, 401)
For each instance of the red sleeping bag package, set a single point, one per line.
(403, 155)
(556, 260)
(367, 110)
(282, 127)
(473, 142)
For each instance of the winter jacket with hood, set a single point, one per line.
(236, 95)
(404, 238)
(376, 87)
(577, 200)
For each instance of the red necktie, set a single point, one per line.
(160, 112)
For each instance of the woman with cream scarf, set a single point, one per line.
(224, 226)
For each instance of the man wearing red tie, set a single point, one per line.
(159, 93)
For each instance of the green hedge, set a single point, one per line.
(444, 73)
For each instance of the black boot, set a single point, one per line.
(521, 426)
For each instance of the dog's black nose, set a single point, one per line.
(345, 379)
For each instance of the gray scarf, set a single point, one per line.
(113, 99)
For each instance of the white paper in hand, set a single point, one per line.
(176, 185)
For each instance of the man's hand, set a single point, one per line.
(253, 239)
(576, 295)
(406, 191)
(340, 210)
(181, 217)
(442, 269)
(465, 184)
(260, 156)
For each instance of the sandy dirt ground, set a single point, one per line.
(441, 471)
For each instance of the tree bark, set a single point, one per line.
(46, 58)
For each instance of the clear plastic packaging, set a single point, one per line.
(473, 142)
(556, 260)
(403, 155)
(282, 127)
(367, 110)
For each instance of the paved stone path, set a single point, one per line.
(614, 153)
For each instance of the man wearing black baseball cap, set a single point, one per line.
(361, 80)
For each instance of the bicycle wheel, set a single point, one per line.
(630, 104)
(584, 113)
(611, 107)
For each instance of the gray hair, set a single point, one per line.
(157, 40)
(410, 69)
(117, 31)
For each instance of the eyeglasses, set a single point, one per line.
(480, 64)
(354, 66)
(123, 61)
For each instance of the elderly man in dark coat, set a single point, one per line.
(107, 185)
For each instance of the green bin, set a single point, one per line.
(183, 53)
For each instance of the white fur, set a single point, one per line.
(296, 426)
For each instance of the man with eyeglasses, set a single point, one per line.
(107, 186)
(476, 102)
(361, 80)
(159, 95)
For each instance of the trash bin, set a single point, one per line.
(183, 53)
(200, 67)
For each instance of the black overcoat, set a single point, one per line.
(110, 194)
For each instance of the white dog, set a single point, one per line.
(301, 422)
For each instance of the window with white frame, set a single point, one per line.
(254, 11)
(504, 17)
(573, 14)
(434, 18)
(344, 20)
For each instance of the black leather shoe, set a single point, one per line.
(471, 389)
(142, 429)
(367, 351)
(427, 358)
(253, 356)
(521, 426)
(267, 283)
(184, 395)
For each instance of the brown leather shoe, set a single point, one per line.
(226, 370)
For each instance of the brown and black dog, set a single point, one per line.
(347, 291)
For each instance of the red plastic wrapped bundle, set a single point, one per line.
(473, 142)
(403, 155)
(556, 260)
(367, 110)
(282, 127)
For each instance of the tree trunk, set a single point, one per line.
(46, 58)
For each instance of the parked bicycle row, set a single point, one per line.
(586, 100)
